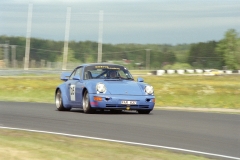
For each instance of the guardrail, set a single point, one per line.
(195, 71)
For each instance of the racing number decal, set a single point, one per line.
(72, 92)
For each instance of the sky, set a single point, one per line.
(124, 21)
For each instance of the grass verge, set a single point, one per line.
(197, 91)
(174, 91)
(22, 145)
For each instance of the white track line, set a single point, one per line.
(125, 142)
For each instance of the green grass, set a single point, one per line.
(174, 91)
(197, 91)
(28, 89)
(22, 145)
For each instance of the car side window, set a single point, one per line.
(78, 72)
(73, 74)
(122, 74)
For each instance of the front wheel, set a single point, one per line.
(144, 111)
(86, 103)
(59, 102)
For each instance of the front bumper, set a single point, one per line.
(145, 102)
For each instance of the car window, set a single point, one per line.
(78, 72)
(107, 72)
(123, 74)
(73, 74)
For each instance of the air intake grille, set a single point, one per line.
(124, 106)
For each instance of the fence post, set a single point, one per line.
(42, 63)
(13, 56)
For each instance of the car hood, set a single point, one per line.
(123, 87)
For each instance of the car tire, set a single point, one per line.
(144, 111)
(86, 103)
(59, 101)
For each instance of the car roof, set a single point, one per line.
(94, 64)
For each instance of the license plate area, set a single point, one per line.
(129, 102)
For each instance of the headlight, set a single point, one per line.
(100, 87)
(148, 89)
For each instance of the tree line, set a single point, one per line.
(223, 54)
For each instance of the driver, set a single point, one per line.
(113, 74)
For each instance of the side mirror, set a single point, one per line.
(139, 79)
(76, 77)
(65, 75)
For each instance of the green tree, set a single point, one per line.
(181, 66)
(89, 58)
(204, 55)
(230, 50)
(70, 57)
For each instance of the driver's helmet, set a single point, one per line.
(113, 74)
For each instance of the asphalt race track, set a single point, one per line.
(205, 132)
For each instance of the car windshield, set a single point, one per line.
(107, 72)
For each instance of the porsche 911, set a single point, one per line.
(100, 86)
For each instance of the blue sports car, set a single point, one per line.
(102, 86)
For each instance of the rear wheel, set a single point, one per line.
(144, 111)
(59, 102)
(86, 103)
